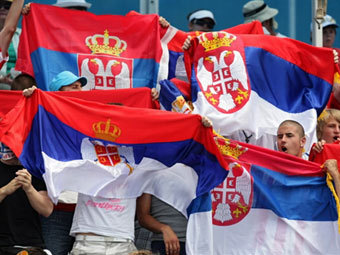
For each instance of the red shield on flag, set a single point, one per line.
(105, 72)
(107, 155)
(232, 199)
(221, 71)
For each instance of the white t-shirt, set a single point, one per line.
(103, 216)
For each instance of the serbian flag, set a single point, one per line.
(111, 51)
(269, 203)
(248, 84)
(176, 53)
(107, 150)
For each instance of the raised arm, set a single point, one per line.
(9, 189)
(10, 26)
(39, 200)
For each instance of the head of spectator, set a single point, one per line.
(329, 27)
(291, 138)
(328, 128)
(80, 5)
(201, 20)
(67, 81)
(23, 81)
(4, 8)
(258, 10)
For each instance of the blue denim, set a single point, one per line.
(56, 232)
(158, 247)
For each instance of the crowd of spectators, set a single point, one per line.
(30, 222)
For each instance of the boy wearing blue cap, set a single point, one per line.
(64, 81)
(67, 81)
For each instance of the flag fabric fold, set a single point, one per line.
(95, 148)
(270, 202)
(136, 97)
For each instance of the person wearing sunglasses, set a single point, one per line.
(201, 20)
(7, 71)
(80, 5)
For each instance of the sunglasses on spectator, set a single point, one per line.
(201, 22)
(79, 8)
(5, 4)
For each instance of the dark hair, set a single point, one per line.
(23, 81)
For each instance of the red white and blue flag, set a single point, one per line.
(248, 84)
(107, 150)
(111, 51)
(270, 203)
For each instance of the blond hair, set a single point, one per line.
(324, 119)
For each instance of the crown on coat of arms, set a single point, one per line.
(227, 148)
(106, 130)
(213, 40)
(105, 44)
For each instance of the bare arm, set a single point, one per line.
(39, 200)
(10, 26)
(146, 220)
(9, 189)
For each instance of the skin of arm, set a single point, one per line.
(39, 200)
(8, 189)
(146, 220)
(10, 26)
(331, 167)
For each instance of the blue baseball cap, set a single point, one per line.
(65, 78)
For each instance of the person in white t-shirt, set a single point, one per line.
(103, 226)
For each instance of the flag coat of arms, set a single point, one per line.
(269, 203)
(111, 51)
(248, 84)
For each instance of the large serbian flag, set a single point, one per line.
(248, 84)
(108, 150)
(270, 203)
(111, 51)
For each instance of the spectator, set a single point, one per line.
(258, 10)
(201, 20)
(168, 225)
(22, 198)
(328, 129)
(80, 5)
(9, 39)
(23, 81)
(67, 81)
(56, 228)
(328, 132)
(329, 27)
(291, 138)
